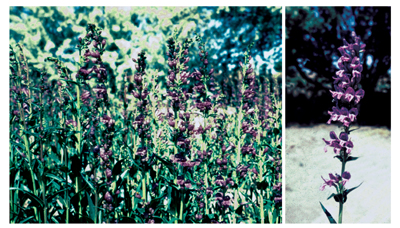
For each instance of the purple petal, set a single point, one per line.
(359, 94)
(344, 136)
(344, 111)
(346, 175)
(349, 146)
(332, 134)
(333, 177)
(349, 94)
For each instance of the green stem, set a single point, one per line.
(260, 177)
(78, 146)
(144, 186)
(235, 175)
(95, 198)
(341, 192)
(66, 199)
(181, 207)
(344, 157)
(206, 183)
(26, 141)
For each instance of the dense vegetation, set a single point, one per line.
(109, 129)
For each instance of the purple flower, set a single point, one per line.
(220, 181)
(108, 173)
(137, 195)
(335, 179)
(339, 143)
(141, 151)
(209, 190)
(346, 82)
(278, 199)
(219, 196)
(70, 122)
(188, 184)
(277, 186)
(108, 197)
(227, 201)
(180, 181)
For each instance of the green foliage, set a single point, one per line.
(94, 142)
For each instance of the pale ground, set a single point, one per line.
(306, 161)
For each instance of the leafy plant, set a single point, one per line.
(345, 111)
(145, 153)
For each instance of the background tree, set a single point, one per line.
(227, 31)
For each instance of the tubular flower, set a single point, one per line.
(346, 82)
(339, 143)
(335, 180)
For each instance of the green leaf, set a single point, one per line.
(32, 196)
(331, 219)
(339, 157)
(54, 220)
(332, 195)
(350, 158)
(27, 219)
(48, 198)
(347, 191)
(87, 181)
(54, 177)
(91, 207)
(70, 81)
(168, 164)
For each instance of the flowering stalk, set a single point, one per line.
(204, 85)
(346, 95)
(178, 117)
(20, 73)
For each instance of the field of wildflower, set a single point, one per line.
(147, 134)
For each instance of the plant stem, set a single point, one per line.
(344, 157)
(26, 141)
(235, 175)
(66, 200)
(144, 186)
(206, 183)
(181, 207)
(341, 200)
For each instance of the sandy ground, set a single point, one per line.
(306, 161)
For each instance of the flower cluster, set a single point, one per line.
(347, 95)
(94, 65)
(204, 81)
(178, 73)
(347, 91)
(335, 180)
(340, 143)
(141, 93)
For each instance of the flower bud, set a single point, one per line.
(108, 173)
(108, 197)
(171, 123)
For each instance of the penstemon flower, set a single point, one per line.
(346, 96)
(115, 148)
